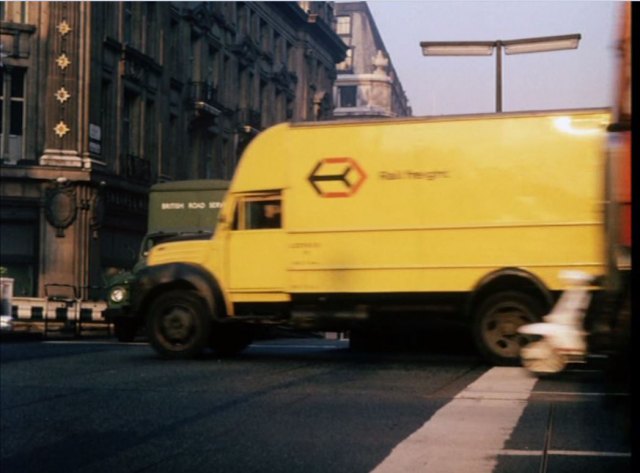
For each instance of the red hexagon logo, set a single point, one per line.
(337, 177)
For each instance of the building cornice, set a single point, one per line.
(319, 28)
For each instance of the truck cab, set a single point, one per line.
(178, 211)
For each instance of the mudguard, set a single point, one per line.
(509, 279)
(153, 280)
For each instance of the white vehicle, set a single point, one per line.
(564, 339)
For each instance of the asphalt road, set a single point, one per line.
(292, 405)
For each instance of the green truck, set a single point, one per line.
(179, 210)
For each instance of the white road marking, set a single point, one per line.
(457, 438)
(578, 394)
(566, 453)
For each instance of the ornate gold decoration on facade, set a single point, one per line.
(61, 129)
(62, 95)
(63, 61)
(63, 28)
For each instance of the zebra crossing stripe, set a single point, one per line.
(478, 420)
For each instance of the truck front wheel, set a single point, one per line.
(178, 325)
(496, 322)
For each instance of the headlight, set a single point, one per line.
(118, 294)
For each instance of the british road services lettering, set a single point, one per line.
(190, 205)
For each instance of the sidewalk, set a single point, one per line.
(23, 331)
(576, 421)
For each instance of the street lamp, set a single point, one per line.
(513, 46)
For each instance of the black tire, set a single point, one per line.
(178, 325)
(496, 322)
(229, 340)
(125, 330)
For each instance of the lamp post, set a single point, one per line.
(486, 48)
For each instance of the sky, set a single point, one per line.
(576, 78)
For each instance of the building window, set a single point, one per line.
(19, 248)
(12, 85)
(172, 148)
(131, 124)
(343, 25)
(14, 12)
(213, 67)
(109, 15)
(243, 13)
(174, 47)
(289, 56)
(106, 119)
(348, 96)
(289, 112)
(266, 105)
(151, 143)
(196, 58)
(128, 22)
(229, 80)
(229, 158)
(151, 38)
(229, 9)
(247, 86)
(215, 166)
(277, 48)
(265, 36)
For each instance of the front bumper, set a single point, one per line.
(112, 314)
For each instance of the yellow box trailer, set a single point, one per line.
(352, 225)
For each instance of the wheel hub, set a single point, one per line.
(501, 330)
(177, 324)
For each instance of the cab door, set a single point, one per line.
(256, 258)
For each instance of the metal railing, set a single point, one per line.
(203, 92)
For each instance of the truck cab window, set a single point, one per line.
(259, 212)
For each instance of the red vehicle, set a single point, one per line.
(586, 320)
(618, 201)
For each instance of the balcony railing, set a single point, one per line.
(203, 92)
(203, 97)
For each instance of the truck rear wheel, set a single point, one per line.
(496, 322)
(178, 325)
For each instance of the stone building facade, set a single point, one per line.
(102, 99)
(367, 84)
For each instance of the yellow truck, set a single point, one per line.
(355, 225)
